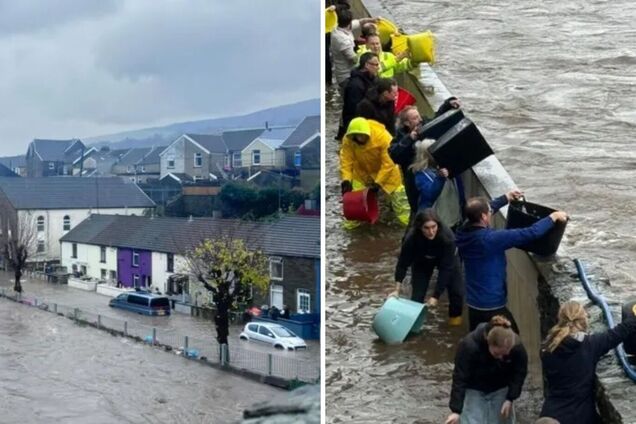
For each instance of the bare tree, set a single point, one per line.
(229, 269)
(19, 246)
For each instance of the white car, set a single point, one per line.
(272, 334)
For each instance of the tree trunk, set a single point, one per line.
(17, 287)
(221, 318)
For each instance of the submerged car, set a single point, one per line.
(142, 302)
(273, 334)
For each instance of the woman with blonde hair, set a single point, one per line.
(490, 367)
(569, 357)
(431, 181)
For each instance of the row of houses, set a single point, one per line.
(227, 155)
(104, 228)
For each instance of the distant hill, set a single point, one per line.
(290, 114)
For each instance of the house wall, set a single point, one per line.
(175, 150)
(89, 256)
(159, 270)
(54, 225)
(216, 163)
(268, 156)
(298, 273)
(125, 268)
(200, 172)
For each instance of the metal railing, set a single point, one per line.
(261, 363)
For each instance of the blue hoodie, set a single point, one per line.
(483, 251)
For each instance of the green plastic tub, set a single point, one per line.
(397, 318)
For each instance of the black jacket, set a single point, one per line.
(476, 369)
(570, 374)
(402, 152)
(372, 108)
(355, 91)
(423, 253)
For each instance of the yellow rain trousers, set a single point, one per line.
(365, 164)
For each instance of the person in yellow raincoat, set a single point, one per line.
(365, 162)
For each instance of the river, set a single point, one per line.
(552, 86)
(52, 370)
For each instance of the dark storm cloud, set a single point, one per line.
(144, 62)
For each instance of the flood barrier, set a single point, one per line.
(273, 368)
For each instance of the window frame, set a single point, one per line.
(40, 222)
(298, 159)
(133, 262)
(237, 160)
(74, 250)
(170, 160)
(51, 166)
(256, 153)
(66, 223)
(276, 260)
(301, 294)
(169, 262)
(41, 246)
(102, 254)
(198, 157)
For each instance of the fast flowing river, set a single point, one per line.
(552, 86)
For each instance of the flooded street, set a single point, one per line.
(552, 85)
(52, 370)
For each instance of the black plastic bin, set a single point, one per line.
(522, 214)
(629, 312)
(438, 126)
(460, 148)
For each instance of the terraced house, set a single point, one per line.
(142, 251)
(53, 206)
(45, 158)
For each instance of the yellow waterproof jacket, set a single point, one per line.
(371, 162)
(389, 65)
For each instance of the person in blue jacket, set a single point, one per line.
(482, 250)
(429, 179)
(569, 357)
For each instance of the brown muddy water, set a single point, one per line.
(552, 85)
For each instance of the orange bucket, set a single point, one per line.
(361, 205)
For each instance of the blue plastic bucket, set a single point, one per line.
(397, 318)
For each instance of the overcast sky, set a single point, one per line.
(79, 68)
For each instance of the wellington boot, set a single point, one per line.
(455, 321)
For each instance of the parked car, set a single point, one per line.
(274, 334)
(142, 302)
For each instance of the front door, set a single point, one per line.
(276, 297)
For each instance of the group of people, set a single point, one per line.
(385, 152)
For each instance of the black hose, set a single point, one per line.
(599, 301)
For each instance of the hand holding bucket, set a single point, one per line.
(361, 205)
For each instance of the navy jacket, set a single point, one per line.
(570, 374)
(475, 368)
(483, 252)
(423, 253)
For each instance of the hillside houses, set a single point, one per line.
(51, 207)
(143, 251)
(45, 158)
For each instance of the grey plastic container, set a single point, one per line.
(397, 318)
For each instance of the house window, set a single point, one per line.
(143, 168)
(276, 296)
(135, 258)
(74, 254)
(303, 300)
(65, 170)
(102, 274)
(198, 160)
(102, 254)
(83, 270)
(40, 246)
(256, 157)
(170, 162)
(297, 159)
(113, 275)
(67, 222)
(170, 266)
(276, 268)
(135, 280)
(51, 166)
(40, 223)
(236, 160)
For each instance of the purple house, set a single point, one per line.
(134, 267)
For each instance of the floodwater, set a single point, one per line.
(552, 85)
(52, 370)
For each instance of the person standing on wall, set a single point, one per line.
(569, 357)
(429, 244)
(483, 251)
(491, 365)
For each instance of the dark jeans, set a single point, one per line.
(421, 277)
(477, 316)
